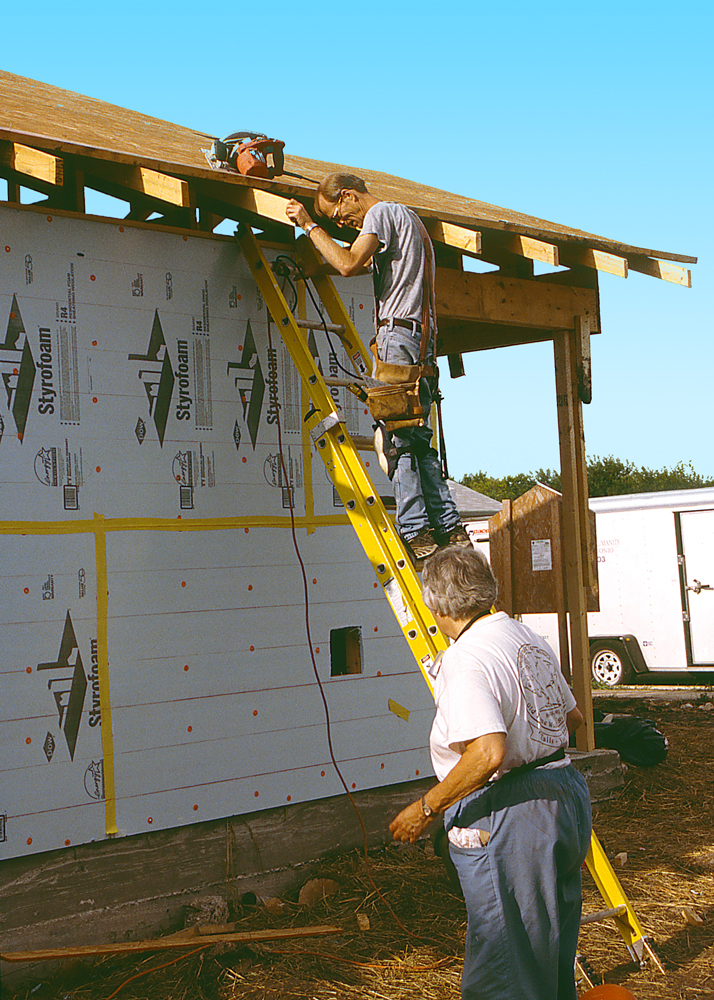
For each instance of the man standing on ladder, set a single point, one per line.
(394, 239)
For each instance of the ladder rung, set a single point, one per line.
(344, 382)
(311, 324)
(361, 442)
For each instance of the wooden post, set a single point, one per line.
(506, 599)
(575, 521)
(560, 602)
(72, 185)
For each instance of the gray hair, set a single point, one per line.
(458, 582)
(332, 186)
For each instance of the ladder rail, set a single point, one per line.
(363, 504)
(375, 530)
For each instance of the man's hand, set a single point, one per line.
(297, 213)
(409, 823)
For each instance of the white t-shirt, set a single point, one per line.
(499, 677)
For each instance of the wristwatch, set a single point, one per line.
(426, 809)
(310, 226)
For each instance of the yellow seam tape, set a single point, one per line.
(110, 806)
(163, 524)
(398, 709)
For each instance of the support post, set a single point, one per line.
(576, 525)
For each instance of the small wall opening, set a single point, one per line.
(346, 651)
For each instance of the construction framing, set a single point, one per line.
(161, 172)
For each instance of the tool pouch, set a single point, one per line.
(397, 402)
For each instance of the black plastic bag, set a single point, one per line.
(638, 741)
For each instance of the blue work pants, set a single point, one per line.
(523, 889)
(422, 496)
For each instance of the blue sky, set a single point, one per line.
(595, 116)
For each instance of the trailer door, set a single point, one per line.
(695, 538)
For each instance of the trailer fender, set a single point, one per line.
(615, 659)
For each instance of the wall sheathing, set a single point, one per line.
(155, 670)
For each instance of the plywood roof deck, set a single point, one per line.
(63, 122)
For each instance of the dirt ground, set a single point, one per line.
(410, 944)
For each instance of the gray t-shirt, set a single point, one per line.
(399, 261)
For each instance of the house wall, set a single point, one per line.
(155, 666)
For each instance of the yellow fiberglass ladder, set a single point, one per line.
(374, 528)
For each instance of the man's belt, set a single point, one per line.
(533, 764)
(408, 324)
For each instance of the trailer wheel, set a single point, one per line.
(609, 663)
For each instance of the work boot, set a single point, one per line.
(457, 536)
(421, 546)
(387, 454)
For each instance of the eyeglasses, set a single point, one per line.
(333, 217)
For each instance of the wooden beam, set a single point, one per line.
(661, 269)
(272, 206)
(140, 180)
(466, 337)
(207, 221)
(493, 298)
(254, 200)
(73, 186)
(495, 242)
(31, 162)
(299, 188)
(583, 362)
(599, 260)
(516, 267)
(468, 241)
(576, 522)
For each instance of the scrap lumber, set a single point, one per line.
(183, 939)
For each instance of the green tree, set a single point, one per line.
(507, 488)
(608, 476)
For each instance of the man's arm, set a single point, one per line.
(347, 261)
(574, 719)
(480, 760)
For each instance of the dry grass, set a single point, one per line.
(664, 820)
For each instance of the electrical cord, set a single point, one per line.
(284, 271)
(306, 598)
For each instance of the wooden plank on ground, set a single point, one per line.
(182, 940)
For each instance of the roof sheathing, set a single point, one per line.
(55, 119)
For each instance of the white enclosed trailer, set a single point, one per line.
(655, 555)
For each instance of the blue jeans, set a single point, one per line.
(422, 496)
(522, 890)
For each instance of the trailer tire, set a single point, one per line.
(609, 663)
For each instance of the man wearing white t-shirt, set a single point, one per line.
(391, 236)
(516, 812)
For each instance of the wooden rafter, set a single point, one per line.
(32, 163)
(661, 269)
(496, 244)
(61, 170)
(597, 259)
(467, 241)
